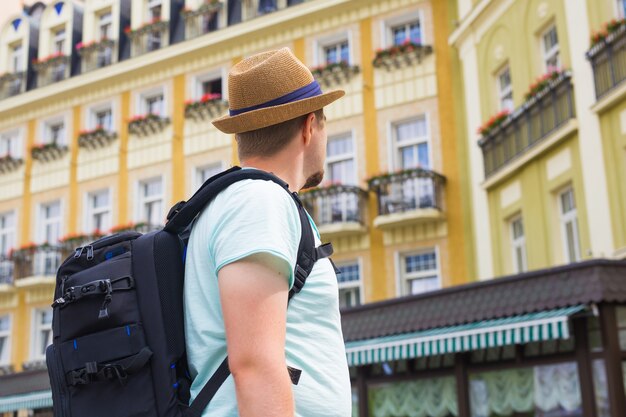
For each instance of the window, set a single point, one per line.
(58, 39)
(42, 332)
(411, 144)
(105, 25)
(54, 132)
(550, 46)
(518, 245)
(267, 6)
(569, 225)
(349, 284)
(17, 58)
(621, 8)
(5, 337)
(340, 166)
(206, 172)
(154, 9)
(7, 232)
(98, 211)
(50, 222)
(10, 144)
(102, 117)
(208, 84)
(505, 89)
(419, 272)
(151, 201)
(337, 52)
(153, 103)
(407, 32)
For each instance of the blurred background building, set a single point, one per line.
(477, 139)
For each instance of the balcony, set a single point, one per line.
(40, 261)
(12, 83)
(337, 210)
(399, 56)
(202, 20)
(96, 55)
(9, 163)
(531, 123)
(149, 37)
(408, 197)
(52, 69)
(608, 60)
(6, 271)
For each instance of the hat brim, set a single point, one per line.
(258, 119)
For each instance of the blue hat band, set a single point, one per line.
(310, 90)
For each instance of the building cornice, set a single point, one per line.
(479, 20)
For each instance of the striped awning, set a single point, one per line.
(31, 400)
(533, 327)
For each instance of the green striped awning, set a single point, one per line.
(31, 400)
(534, 327)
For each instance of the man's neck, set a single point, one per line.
(287, 172)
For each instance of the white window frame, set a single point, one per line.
(5, 353)
(93, 111)
(151, 4)
(91, 211)
(518, 243)
(353, 284)
(11, 143)
(103, 21)
(393, 145)
(198, 80)
(565, 218)
(335, 39)
(9, 231)
(56, 38)
(504, 91)
(46, 129)
(344, 157)
(619, 8)
(17, 58)
(142, 102)
(141, 200)
(404, 19)
(195, 174)
(43, 222)
(37, 329)
(555, 50)
(401, 279)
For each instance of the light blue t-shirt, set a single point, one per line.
(250, 217)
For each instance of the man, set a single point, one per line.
(242, 253)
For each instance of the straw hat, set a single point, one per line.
(270, 88)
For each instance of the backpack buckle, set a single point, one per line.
(175, 209)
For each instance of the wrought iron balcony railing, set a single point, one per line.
(52, 70)
(529, 124)
(97, 55)
(39, 261)
(149, 37)
(608, 60)
(12, 84)
(6, 271)
(335, 204)
(202, 20)
(408, 190)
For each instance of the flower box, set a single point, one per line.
(210, 6)
(602, 35)
(149, 124)
(50, 61)
(89, 47)
(25, 252)
(543, 82)
(494, 122)
(48, 152)
(9, 163)
(71, 241)
(152, 26)
(335, 73)
(96, 138)
(208, 107)
(397, 56)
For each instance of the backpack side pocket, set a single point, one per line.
(60, 397)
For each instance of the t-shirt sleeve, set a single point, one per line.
(255, 218)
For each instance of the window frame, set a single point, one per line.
(56, 38)
(393, 159)
(402, 279)
(336, 40)
(17, 59)
(37, 329)
(504, 92)
(353, 284)
(46, 129)
(555, 50)
(197, 80)
(101, 15)
(620, 9)
(9, 231)
(343, 157)
(564, 219)
(142, 102)
(141, 200)
(13, 141)
(91, 211)
(219, 165)
(5, 353)
(150, 4)
(518, 243)
(405, 19)
(42, 222)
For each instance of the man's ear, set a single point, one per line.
(307, 128)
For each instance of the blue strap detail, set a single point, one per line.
(128, 330)
(75, 345)
(175, 384)
(172, 366)
(307, 91)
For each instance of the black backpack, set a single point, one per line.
(118, 338)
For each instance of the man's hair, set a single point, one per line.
(270, 140)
